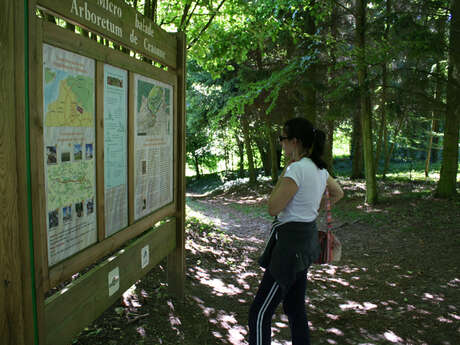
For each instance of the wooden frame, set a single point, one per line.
(69, 312)
(25, 252)
(68, 40)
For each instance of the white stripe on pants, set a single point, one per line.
(262, 310)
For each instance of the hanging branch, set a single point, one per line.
(206, 26)
(184, 15)
(191, 14)
(153, 9)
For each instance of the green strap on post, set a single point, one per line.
(29, 190)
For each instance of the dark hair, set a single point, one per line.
(309, 136)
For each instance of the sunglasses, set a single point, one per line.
(281, 138)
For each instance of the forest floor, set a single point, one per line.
(398, 281)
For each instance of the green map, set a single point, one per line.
(70, 183)
(69, 99)
(153, 106)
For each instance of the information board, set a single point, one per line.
(153, 145)
(115, 148)
(69, 145)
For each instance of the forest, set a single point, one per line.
(382, 80)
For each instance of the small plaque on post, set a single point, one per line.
(145, 256)
(114, 281)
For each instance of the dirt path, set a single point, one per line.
(397, 282)
(221, 212)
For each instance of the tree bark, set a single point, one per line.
(264, 151)
(309, 89)
(273, 154)
(197, 167)
(449, 168)
(328, 154)
(382, 142)
(428, 150)
(366, 114)
(332, 105)
(240, 145)
(249, 153)
(357, 148)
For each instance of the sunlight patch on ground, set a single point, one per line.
(130, 297)
(392, 337)
(358, 307)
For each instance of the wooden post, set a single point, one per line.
(11, 299)
(176, 260)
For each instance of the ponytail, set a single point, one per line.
(319, 141)
(313, 139)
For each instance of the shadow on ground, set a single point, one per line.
(397, 283)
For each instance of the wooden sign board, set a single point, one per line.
(117, 21)
(63, 117)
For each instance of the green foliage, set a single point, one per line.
(262, 59)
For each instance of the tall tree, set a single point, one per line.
(449, 168)
(365, 110)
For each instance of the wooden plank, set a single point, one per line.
(100, 190)
(28, 288)
(121, 23)
(70, 310)
(11, 320)
(131, 148)
(65, 269)
(176, 260)
(36, 164)
(66, 39)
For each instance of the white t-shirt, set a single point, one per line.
(311, 181)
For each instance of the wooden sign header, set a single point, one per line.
(123, 24)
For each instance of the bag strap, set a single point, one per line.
(329, 238)
(328, 211)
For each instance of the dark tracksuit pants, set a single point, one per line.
(265, 303)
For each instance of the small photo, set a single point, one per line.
(67, 214)
(51, 155)
(89, 206)
(79, 209)
(114, 81)
(89, 151)
(144, 167)
(53, 219)
(65, 157)
(77, 152)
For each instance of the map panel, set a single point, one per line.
(69, 159)
(153, 145)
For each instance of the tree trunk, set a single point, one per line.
(264, 151)
(382, 142)
(328, 154)
(428, 152)
(332, 105)
(366, 114)
(309, 89)
(435, 147)
(448, 177)
(357, 148)
(240, 145)
(273, 154)
(247, 144)
(197, 167)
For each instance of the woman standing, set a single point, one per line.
(293, 243)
